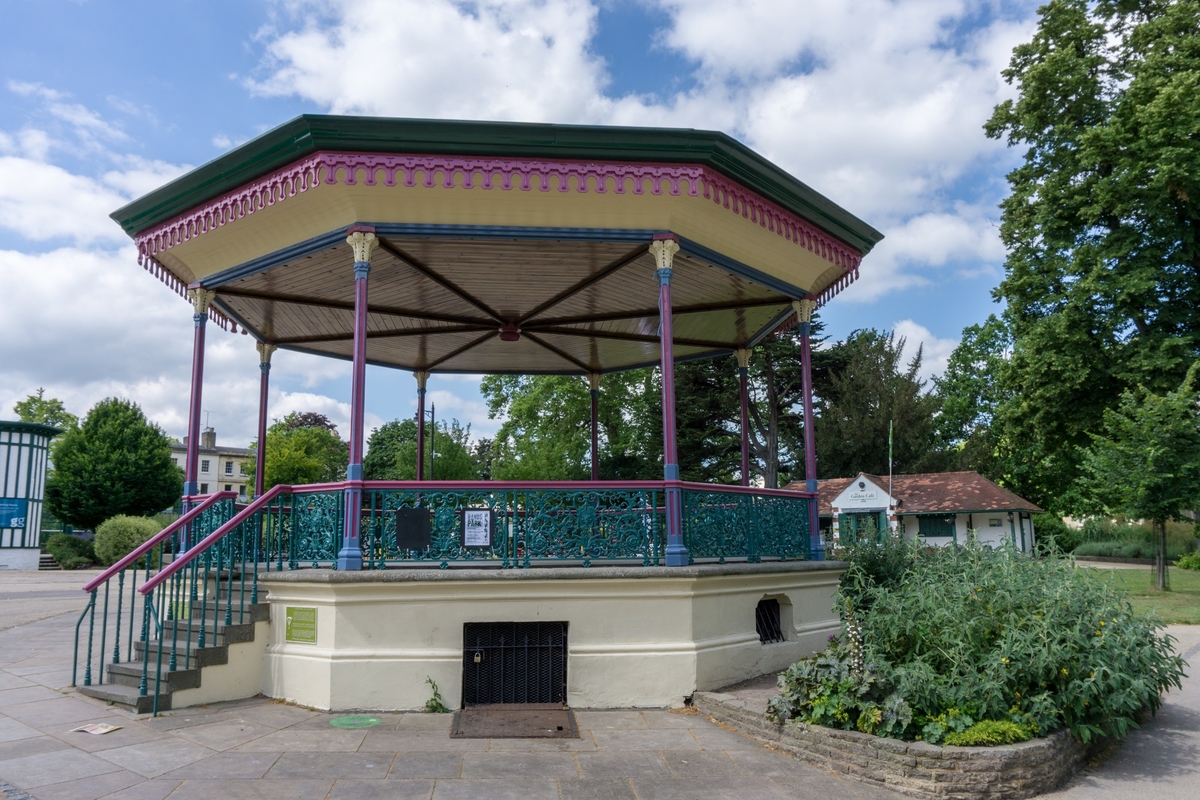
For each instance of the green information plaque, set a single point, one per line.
(301, 625)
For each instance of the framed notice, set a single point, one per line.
(301, 625)
(477, 525)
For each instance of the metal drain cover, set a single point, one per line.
(515, 721)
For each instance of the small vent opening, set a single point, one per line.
(766, 622)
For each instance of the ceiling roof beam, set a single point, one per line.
(444, 282)
(460, 350)
(631, 337)
(345, 337)
(339, 305)
(603, 273)
(653, 312)
(560, 353)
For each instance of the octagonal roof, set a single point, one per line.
(544, 228)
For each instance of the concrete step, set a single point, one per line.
(127, 696)
(47, 562)
(130, 674)
(199, 656)
(260, 612)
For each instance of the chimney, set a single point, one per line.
(208, 439)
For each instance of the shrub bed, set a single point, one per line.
(971, 634)
(71, 552)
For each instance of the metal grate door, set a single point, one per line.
(514, 662)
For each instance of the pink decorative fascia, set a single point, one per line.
(489, 173)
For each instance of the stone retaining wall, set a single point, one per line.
(916, 769)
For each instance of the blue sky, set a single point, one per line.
(876, 104)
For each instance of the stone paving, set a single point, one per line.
(261, 749)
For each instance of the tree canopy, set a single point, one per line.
(1102, 277)
(392, 452)
(302, 448)
(46, 410)
(1145, 464)
(116, 462)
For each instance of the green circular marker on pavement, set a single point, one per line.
(355, 721)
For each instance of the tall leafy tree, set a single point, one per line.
(870, 389)
(1102, 280)
(46, 410)
(1145, 464)
(116, 462)
(971, 391)
(302, 448)
(392, 452)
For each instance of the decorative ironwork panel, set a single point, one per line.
(719, 525)
(514, 662)
(600, 525)
(316, 524)
(783, 528)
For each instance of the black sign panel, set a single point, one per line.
(413, 528)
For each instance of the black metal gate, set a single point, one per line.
(514, 662)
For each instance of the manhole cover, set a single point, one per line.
(355, 721)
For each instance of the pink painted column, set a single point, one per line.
(804, 311)
(594, 384)
(743, 362)
(663, 248)
(422, 379)
(362, 239)
(264, 384)
(201, 299)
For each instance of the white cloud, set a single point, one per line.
(935, 352)
(41, 201)
(467, 411)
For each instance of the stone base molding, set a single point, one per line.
(916, 769)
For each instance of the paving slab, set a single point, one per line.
(382, 790)
(90, 788)
(532, 789)
(30, 772)
(227, 765)
(596, 789)
(223, 734)
(408, 766)
(155, 758)
(519, 766)
(358, 766)
(252, 790)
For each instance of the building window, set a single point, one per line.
(204, 488)
(204, 464)
(242, 490)
(242, 468)
(176, 460)
(229, 487)
(935, 525)
(228, 467)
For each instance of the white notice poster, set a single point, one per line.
(477, 527)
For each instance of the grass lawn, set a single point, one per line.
(1180, 606)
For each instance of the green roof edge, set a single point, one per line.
(30, 427)
(310, 133)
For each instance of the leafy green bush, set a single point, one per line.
(1053, 537)
(975, 633)
(1189, 561)
(990, 733)
(120, 535)
(71, 552)
(873, 564)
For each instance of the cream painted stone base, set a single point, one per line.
(241, 676)
(644, 636)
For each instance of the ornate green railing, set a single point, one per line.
(725, 523)
(112, 613)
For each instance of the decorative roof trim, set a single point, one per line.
(332, 168)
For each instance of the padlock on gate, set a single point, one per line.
(478, 656)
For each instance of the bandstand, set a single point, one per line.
(465, 247)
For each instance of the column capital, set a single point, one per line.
(664, 251)
(804, 310)
(743, 357)
(265, 349)
(422, 378)
(201, 299)
(363, 243)
(594, 381)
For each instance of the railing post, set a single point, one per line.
(663, 248)
(804, 311)
(362, 240)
